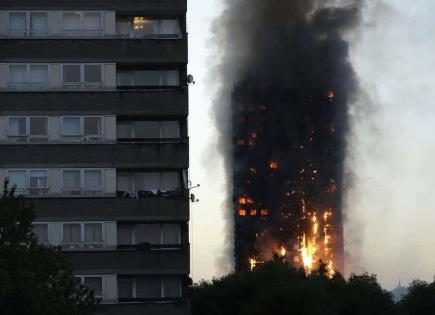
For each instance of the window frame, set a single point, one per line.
(82, 244)
(81, 31)
(48, 231)
(82, 82)
(82, 134)
(38, 170)
(27, 171)
(161, 241)
(161, 279)
(28, 32)
(103, 285)
(82, 189)
(27, 135)
(160, 79)
(27, 82)
(132, 128)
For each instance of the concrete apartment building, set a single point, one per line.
(93, 131)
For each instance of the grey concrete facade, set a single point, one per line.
(47, 169)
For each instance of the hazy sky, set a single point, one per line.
(391, 202)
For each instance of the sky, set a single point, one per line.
(390, 196)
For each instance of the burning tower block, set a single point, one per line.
(287, 176)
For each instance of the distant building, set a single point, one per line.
(93, 131)
(399, 292)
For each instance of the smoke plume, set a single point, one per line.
(390, 205)
(290, 60)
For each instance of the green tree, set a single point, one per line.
(277, 288)
(34, 279)
(419, 300)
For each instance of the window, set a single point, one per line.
(82, 182)
(148, 130)
(17, 23)
(18, 178)
(38, 23)
(41, 232)
(17, 126)
(82, 235)
(82, 75)
(28, 24)
(88, 129)
(38, 179)
(72, 233)
(25, 129)
(150, 181)
(30, 76)
(82, 23)
(93, 282)
(149, 287)
(171, 234)
(151, 78)
(92, 126)
(140, 26)
(38, 126)
(147, 233)
(125, 288)
(96, 284)
(35, 182)
(171, 287)
(93, 180)
(154, 234)
(71, 180)
(71, 74)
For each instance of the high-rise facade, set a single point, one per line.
(93, 132)
(287, 177)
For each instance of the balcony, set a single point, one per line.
(150, 209)
(150, 103)
(131, 262)
(119, 50)
(150, 7)
(121, 155)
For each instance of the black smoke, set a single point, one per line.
(285, 83)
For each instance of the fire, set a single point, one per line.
(283, 251)
(331, 95)
(252, 263)
(242, 212)
(242, 200)
(253, 212)
(273, 165)
(311, 249)
(308, 250)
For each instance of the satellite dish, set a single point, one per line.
(193, 198)
(190, 79)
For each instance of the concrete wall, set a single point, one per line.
(152, 156)
(167, 103)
